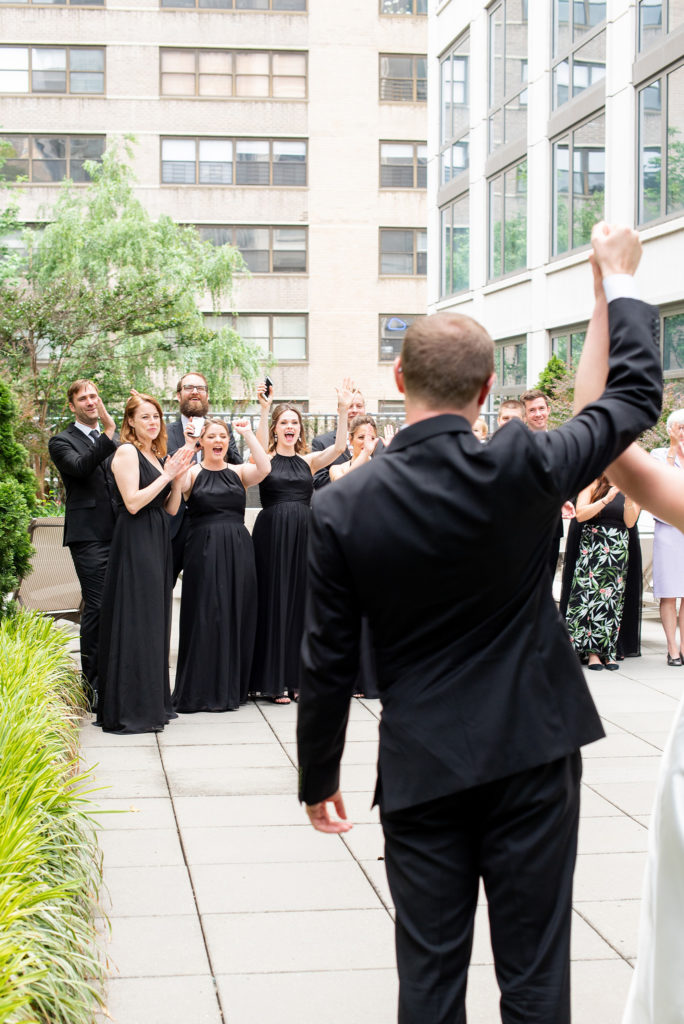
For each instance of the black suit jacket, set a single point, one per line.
(319, 444)
(83, 466)
(437, 543)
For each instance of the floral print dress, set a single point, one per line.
(598, 587)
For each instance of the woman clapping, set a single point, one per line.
(219, 598)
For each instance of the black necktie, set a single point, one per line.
(94, 434)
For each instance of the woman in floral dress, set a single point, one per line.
(598, 588)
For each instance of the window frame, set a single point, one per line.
(448, 143)
(30, 136)
(558, 332)
(501, 391)
(231, 5)
(507, 97)
(491, 276)
(416, 253)
(444, 292)
(676, 309)
(662, 75)
(557, 58)
(271, 228)
(406, 318)
(53, 3)
(233, 140)
(415, 79)
(404, 14)
(416, 186)
(235, 52)
(569, 133)
(269, 354)
(68, 49)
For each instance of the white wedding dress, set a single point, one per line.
(656, 995)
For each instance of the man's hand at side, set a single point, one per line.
(319, 815)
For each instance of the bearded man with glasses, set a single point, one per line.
(192, 395)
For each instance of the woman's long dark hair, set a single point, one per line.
(601, 488)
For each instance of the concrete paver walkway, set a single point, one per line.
(225, 906)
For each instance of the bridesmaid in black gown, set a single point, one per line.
(280, 542)
(219, 597)
(134, 694)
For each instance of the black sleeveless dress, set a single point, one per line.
(280, 541)
(219, 598)
(135, 620)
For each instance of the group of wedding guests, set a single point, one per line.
(243, 597)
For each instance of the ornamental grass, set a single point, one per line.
(50, 866)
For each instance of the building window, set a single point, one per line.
(507, 73)
(265, 250)
(239, 5)
(579, 47)
(661, 141)
(403, 6)
(672, 332)
(567, 345)
(403, 251)
(233, 73)
(508, 221)
(391, 408)
(52, 69)
(510, 367)
(53, 3)
(42, 159)
(454, 111)
(403, 165)
(578, 184)
(276, 162)
(403, 77)
(393, 327)
(282, 336)
(455, 246)
(657, 17)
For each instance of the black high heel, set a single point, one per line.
(677, 662)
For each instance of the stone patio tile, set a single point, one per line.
(361, 752)
(646, 701)
(275, 844)
(239, 755)
(375, 870)
(118, 784)
(592, 805)
(92, 736)
(599, 990)
(643, 722)
(656, 739)
(618, 745)
(139, 847)
(621, 769)
(149, 891)
(358, 778)
(366, 842)
(201, 782)
(613, 876)
(141, 947)
(672, 684)
(195, 733)
(608, 835)
(359, 810)
(149, 812)
(336, 940)
(586, 943)
(366, 730)
(630, 798)
(264, 888)
(616, 920)
(162, 1001)
(121, 758)
(339, 997)
(238, 811)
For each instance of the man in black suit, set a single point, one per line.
(322, 441)
(485, 705)
(80, 453)
(192, 395)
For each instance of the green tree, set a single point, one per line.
(17, 502)
(106, 292)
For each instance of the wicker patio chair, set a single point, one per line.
(52, 587)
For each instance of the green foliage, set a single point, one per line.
(554, 373)
(50, 867)
(105, 292)
(17, 501)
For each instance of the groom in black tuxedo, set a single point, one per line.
(192, 395)
(485, 705)
(81, 453)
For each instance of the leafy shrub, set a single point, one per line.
(50, 868)
(17, 500)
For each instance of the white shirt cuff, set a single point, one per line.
(620, 286)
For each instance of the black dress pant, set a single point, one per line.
(518, 834)
(178, 542)
(90, 562)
